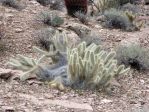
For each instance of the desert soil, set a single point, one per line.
(131, 96)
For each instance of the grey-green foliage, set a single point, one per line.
(133, 55)
(131, 7)
(49, 18)
(84, 18)
(12, 3)
(44, 2)
(120, 19)
(92, 67)
(43, 37)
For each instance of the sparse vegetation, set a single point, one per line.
(57, 4)
(133, 55)
(76, 52)
(51, 19)
(84, 18)
(130, 7)
(121, 20)
(12, 3)
(44, 2)
(44, 36)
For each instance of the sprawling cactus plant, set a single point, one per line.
(83, 67)
(92, 66)
(30, 65)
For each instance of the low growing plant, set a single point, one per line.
(83, 18)
(44, 2)
(44, 37)
(51, 19)
(134, 56)
(121, 20)
(12, 3)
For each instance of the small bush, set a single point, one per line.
(44, 37)
(122, 2)
(130, 7)
(56, 4)
(82, 17)
(44, 2)
(120, 20)
(133, 55)
(50, 19)
(12, 3)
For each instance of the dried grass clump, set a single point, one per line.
(44, 37)
(57, 4)
(51, 19)
(133, 55)
(83, 18)
(12, 3)
(44, 2)
(121, 20)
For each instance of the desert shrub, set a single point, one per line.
(133, 55)
(84, 18)
(44, 36)
(57, 4)
(54, 4)
(49, 18)
(130, 7)
(12, 3)
(92, 37)
(44, 2)
(122, 2)
(120, 20)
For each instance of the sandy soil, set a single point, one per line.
(15, 96)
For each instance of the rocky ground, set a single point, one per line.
(131, 96)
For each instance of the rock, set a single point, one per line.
(80, 29)
(106, 101)
(5, 74)
(9, 74)
(8, 109)
(18, 30)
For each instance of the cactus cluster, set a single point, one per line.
(102, 5)
(30, 65)
(83, 67)
(92, 67)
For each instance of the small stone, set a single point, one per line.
(18, 30)
(8, 109)
(106, 101)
